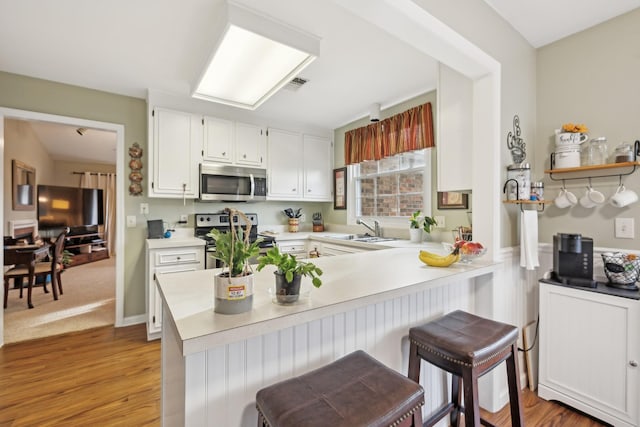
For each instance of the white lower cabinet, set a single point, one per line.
(330, 249)
(589, 352)
(166, 260)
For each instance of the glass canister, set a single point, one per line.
(624, 153)
(537, 190)
(599, 151)
(519, 181)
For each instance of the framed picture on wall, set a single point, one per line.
(340, 188)
(453, 200)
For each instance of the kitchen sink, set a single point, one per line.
(366, 238)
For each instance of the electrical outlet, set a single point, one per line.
(303, 218)
(131, 221)
(183, 219)
(624, 228)
(144, 208)
(440, 222)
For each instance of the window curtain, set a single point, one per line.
(106, 182)
(407, 131)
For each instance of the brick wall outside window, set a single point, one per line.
(391, 187)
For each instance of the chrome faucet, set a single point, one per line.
(376, 226)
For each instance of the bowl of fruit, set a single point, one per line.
(468, 250)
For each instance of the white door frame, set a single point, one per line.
(120, 185)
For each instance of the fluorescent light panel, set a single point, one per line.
(247, 68)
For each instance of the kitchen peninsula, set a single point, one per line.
(213, 364)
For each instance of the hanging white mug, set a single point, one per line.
(623, 197)
(565, 199)
(592, 198)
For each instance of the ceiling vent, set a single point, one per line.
(296, 83)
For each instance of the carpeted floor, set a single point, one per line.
(88, 302)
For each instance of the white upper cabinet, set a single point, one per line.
(218, 140)
(454, 130)
(250, 145)
(318, 154)
(299, 166)
(174, 153)
(284, 171)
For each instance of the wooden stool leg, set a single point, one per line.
(414, 363)
(513, 377)
(456, 383)
(6, 291)
(471, 406)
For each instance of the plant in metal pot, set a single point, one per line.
(234, 284)
(289, 272)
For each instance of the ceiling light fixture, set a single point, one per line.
(254, 57)
(81, 131)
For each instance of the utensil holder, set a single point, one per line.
(294, 224)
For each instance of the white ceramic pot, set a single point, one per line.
(415, 235)
(566, 159)
(233, 295)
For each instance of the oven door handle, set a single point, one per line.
(253, 186)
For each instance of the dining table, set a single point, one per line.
(27, 255)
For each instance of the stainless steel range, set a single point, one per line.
(222, 222)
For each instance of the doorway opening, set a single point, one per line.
(93, 290)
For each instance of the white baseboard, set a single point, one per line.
(132, 320)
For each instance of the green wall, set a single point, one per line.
(25, 93)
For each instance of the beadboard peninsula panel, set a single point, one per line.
(221, 383)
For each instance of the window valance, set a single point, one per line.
(406, 131)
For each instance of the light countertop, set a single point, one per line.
(174, 242)
(349, 281)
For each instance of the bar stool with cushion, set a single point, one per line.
(467, 346)
(355, 390)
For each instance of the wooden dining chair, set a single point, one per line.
(53, 267)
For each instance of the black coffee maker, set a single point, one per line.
(573, 260)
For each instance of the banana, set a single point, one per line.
(435, 260)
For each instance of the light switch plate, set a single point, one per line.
(131, 221)
(624, 228)
(440, 223)
(144, 208)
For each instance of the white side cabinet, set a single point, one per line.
(589, 352)
(167, 257)
(454, 131)
(176, 141)
(299, 166)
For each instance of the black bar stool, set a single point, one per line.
(467, 346)
(355, 390)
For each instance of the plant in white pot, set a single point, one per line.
(234, 285)
(288, 274)
(418, 224)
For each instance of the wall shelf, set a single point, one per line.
(594, 171)
(539, 204)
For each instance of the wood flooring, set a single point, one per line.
(111, 377)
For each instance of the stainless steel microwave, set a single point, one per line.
(232, 183)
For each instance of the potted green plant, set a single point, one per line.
(288, 274)
(418, 224)
(234, 284)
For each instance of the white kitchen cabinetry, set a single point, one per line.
(284, 171)
(589, 352)
(218, 140)
(317, 168)
(250, 144)
(161, 261)
(455, 130)
(174, 153)
(293, 247)
(331, 249)
(299, 166)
